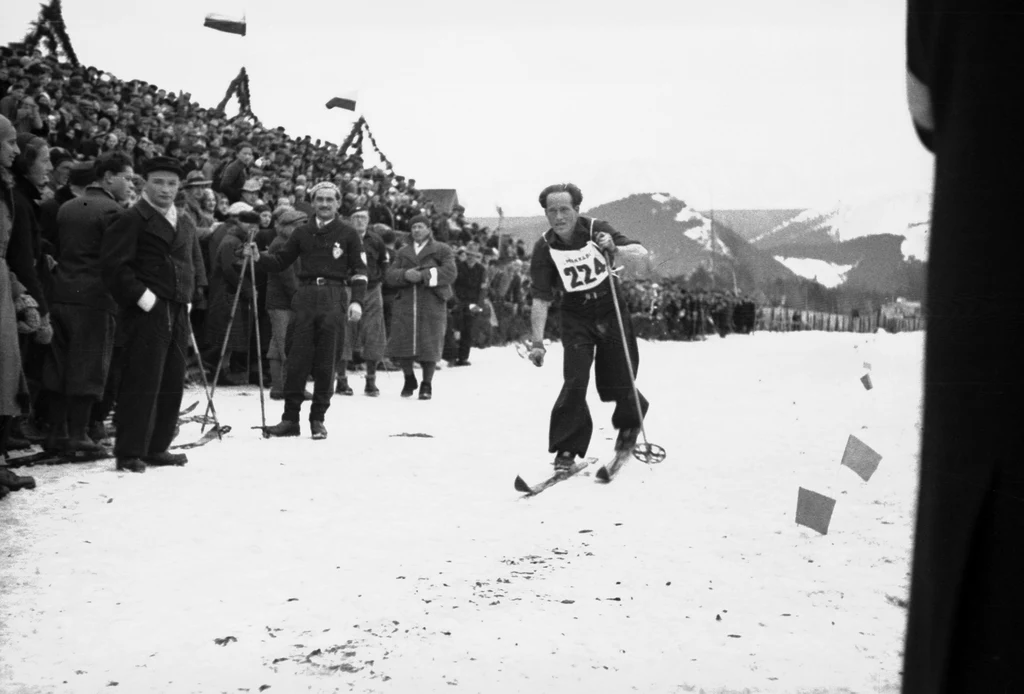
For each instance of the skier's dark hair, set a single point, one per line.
(574, 192)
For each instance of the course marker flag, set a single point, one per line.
(814, 510)
(860, 458)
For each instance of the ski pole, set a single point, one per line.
(647, 452)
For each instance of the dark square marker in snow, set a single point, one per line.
(814, 510)
(860, 458)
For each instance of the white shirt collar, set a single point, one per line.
(418, 247)
(170, 214)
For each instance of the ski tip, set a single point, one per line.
(521, 485)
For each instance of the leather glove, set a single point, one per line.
(45, 332)
(537, 353)
(413, 276)
(355, 312)
(27, 311)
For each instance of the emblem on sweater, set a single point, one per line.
(336, 251)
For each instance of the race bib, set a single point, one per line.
(581, 270)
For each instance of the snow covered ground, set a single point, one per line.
(376, 562)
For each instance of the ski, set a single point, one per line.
(522, 486)
(608, 471)
(188, 409)
(212, 435)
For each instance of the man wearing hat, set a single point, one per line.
(195, 189)
(423, 272)
(281, 288)
(251, 192)
(225, 278)
(470, 292)
(367, 335)
(147, 263)
(332, 264)
(83, 310)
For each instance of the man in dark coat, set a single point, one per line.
(570, 260)
(966, 601)
(235, 174)
(146, 260)
(83, 311)
(225, 279)
(470, 291)
(332, 263)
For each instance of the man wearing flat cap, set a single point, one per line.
(84, 312)
(225, 279)
(146, 259)
(333, 264)
(366, 337)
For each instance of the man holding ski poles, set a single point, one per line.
(332, 285)
(571, 259)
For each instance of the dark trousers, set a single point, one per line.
(81, 350)
(590, 336)
(152, 378)
(313, 344)
(464, 324)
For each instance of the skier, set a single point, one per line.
(572, 259)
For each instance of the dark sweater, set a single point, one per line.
(333, 252)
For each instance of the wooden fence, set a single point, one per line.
(781, 319)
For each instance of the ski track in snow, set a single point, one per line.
(373, 562)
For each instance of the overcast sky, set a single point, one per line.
(724, 103)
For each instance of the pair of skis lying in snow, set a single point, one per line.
(606, 473)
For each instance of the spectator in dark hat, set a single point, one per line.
(83, 309)
(281, 288)
(147, 263)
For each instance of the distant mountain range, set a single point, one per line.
(868, 246)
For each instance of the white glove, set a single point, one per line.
(355, 312)
(147, 301)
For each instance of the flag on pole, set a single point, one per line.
(226, 24)
(346, 101)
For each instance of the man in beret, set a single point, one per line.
(146, 259)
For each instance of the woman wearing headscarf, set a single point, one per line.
(423, 272)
